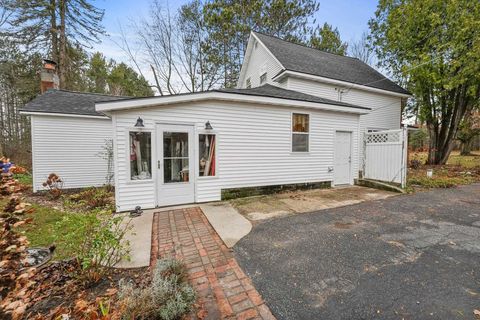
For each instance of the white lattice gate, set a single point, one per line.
(385, 156)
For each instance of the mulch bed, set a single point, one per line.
(52, 290)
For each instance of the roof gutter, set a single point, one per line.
(109, 106)
(301, 75)
(58, 114)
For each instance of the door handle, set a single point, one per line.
(158, 164)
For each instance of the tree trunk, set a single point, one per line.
(54, 29)
(63, 45)
(466, 147)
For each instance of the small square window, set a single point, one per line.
(300, 132)
(249, 83)
(140, 155)
(207, 155)
(263, 78)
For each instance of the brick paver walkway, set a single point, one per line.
(223, 289)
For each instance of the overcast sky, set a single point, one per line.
(349, 16)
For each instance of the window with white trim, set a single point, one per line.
(263, 78)
(300, 132)
(207, 155)
(140, 155)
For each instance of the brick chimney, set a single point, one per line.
(48, 76)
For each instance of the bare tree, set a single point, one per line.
(361, 50)
(173, 46)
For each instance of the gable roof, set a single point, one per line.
(68, 102)
(300, 58)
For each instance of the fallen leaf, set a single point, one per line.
(14, 305)
(81, 305)
(19, 223)
(111, 291)
(11, 248)
(18, 312)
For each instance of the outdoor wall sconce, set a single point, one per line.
(139, 123)
(208, 126)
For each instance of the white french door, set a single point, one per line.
(175, 166)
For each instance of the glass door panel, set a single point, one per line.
(175, 157)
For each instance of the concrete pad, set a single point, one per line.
(230, 225)
(294, 202)
(267, 215)
(140, 238)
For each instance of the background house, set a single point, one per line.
(297, 67)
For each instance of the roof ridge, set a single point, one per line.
(305, 46)
(354, 70)
(311, 96)
(90, 93)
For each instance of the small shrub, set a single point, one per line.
(415, 164)
(108, 155)
(97, 240)
(54, 185)
(168, 297)
(93, 198)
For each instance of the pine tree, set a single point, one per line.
(54, 27)
(328, 39)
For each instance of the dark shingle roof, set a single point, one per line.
(268, 90)
(299, 58)
(68, 102)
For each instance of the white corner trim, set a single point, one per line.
(246, 61)
(301, 75)
(34, 164)
(221, 96)
(33, 113)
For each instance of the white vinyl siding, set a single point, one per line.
(253, 147)
(69, 147)
(386, 109)
(260, 62)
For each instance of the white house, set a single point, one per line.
(296, 119)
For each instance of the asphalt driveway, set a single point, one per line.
(406, 257)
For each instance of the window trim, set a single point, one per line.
(260, 79)
(304, 133)
(197, 155)
(152, 153)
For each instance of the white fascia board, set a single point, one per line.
(294, 74)
(268, 50)
(246, 61)
(220, 96)
(248, 53)
(33, 113)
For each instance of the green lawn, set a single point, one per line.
(40, 232)
(455, 158)
(467, 162)
(458, 170)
